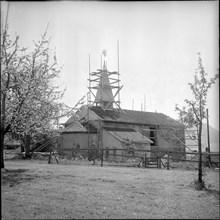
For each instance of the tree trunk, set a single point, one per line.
(200, 153)
(22, 147)
(2, 115)
(2, 149)
(27, 145)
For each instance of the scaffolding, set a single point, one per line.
(192, 137)
(104, 87)
(104, 91)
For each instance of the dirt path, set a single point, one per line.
(37, 190)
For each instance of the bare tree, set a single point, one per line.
(194, 113)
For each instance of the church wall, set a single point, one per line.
(75, 140)
(162, 138)
(111, 142)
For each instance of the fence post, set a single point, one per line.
(159, 162)
(102, 158)
(168, 160)
(72, 152)
(145, 165)
(50, 156)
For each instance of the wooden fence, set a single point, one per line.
(144, 158)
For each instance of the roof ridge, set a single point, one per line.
(142, 111)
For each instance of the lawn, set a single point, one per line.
(33, 189)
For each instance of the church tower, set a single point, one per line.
(104, 89)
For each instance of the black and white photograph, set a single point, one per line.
(109, 109)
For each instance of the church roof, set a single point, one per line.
(152, 118)
(74, 127)
(130, 116)
(71, 120)
(137, 117)
(131, 137)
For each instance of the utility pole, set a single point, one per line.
(144, 102)
(88, 103)
(119, 102)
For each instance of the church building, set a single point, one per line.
(102, 123)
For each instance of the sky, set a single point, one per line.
(158, 46)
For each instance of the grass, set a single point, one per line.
(33, 189)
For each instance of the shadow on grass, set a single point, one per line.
(202, 187)
(213, 192)
(14, 177)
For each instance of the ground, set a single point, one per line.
(33, 189)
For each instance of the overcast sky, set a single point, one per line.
(158, 43)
